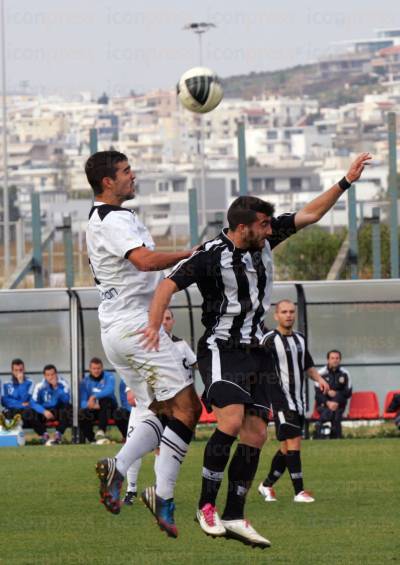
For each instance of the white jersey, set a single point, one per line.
(125, 291)
(187, 355)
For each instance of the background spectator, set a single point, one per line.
(51, 401)
(17, 395)
(394, 406)
(332, 405)
(98, 401)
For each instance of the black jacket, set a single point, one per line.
(339, 380)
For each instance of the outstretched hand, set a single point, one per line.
(150, 339)
(357, 167)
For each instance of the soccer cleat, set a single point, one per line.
(45, 438)
(129, 497)
(162, 509)
(267, 492)
(110, 484)
(101, 438)
(303, 496)
(244, 532)
(209, 521)
(57, 439)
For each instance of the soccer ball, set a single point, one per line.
(199, 90)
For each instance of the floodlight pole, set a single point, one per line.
(200, 28)
(393, 197)
(6, 211)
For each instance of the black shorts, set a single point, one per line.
(235, 375)
(288, 424)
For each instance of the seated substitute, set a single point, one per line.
(98, 401)
(17, 395)
(51, 401)
(394, 406)
(286, 391)
(332, 404)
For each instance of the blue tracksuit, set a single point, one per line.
(100, 388)
(122, 395)
(15, 394)
(45, 397)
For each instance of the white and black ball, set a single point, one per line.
(199, 90)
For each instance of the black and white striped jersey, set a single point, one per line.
(236, 284)
(292, 359)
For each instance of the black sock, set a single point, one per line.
(241, 473)
(278, 467)
(293, 462)
(216, 457)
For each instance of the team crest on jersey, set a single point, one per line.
(341, 380)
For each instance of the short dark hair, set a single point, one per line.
(282, 301)
(96, 361)
(243, 210)
(49, 367)
(334, 351)
(100, 165)
(17, 361)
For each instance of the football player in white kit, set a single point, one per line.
(126, 270)
(188, 360)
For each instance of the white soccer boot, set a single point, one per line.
(209, 521)
(303, 496)
(244, 532)
(267, 492)
(101, 438)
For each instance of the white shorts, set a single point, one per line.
(151, 375)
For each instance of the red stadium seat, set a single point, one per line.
(206, 417)
(315, 415)
(364, 406)
(389, 397)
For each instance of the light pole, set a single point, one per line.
(6, 213)
(200, 28)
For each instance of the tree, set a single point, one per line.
(307, 255)
(365, 263)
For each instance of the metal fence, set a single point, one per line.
(360, 318)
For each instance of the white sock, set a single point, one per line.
(132, 475)
(156, 459)
(145, 437)
(173, 448)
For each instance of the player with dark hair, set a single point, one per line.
(125, 264)
(287, 395)
(234, 275)
(331, 405)
(51, 401)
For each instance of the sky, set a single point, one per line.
(66, 47)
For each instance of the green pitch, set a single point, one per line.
(51, 515)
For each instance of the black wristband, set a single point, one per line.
(344, 183)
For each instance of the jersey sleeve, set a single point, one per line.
(308, 361)
(189, 270)
(282, 227)
(121, 234)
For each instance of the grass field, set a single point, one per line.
(51, 515)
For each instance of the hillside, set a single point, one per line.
(302, 80)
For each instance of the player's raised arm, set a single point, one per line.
(145, 259)
(160, 302)
(317, 208)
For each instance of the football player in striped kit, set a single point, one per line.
(234, 274)
(292, 359)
